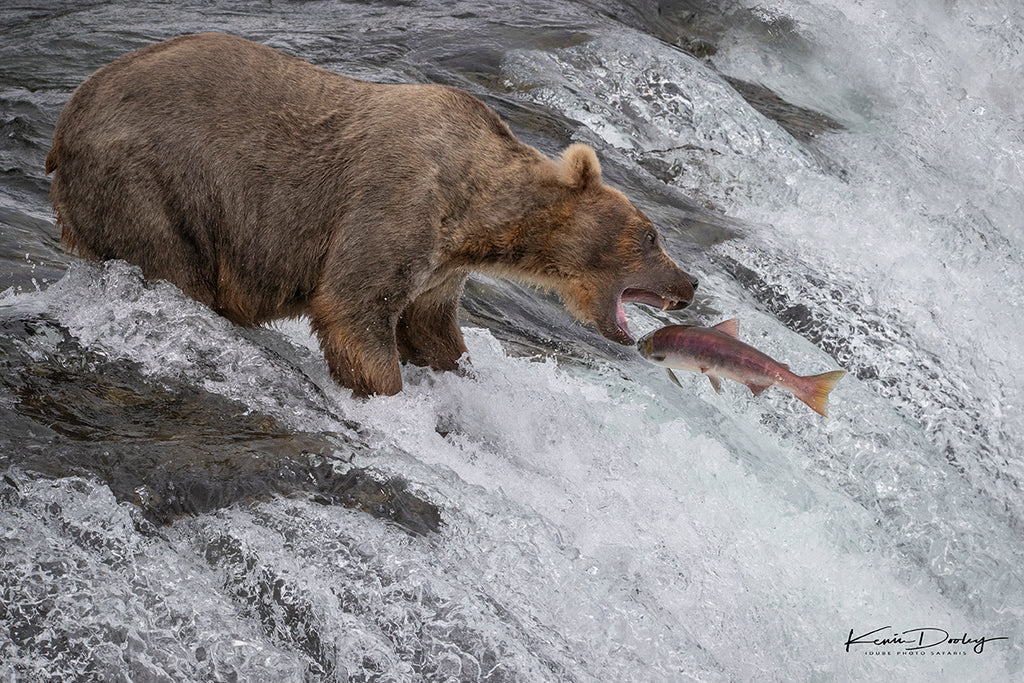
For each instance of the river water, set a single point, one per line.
(186, 500)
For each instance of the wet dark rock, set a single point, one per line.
(168, 447)
(697, 26)
(802, 123)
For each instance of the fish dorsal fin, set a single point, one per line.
(729, 327)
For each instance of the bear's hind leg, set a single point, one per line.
(428, 331)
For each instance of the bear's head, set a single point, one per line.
(605, 252)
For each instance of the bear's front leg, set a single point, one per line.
(428, 332)
(361, 353)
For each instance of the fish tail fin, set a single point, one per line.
(817, 388)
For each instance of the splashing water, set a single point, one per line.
(598, 523)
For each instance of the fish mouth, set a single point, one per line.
(637, 295)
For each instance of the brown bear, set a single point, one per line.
(266, 187)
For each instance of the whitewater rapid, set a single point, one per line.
(597, 521)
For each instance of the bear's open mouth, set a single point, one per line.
(634, 295)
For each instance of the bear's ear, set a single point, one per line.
(580, 167)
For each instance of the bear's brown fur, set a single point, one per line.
(266, 187)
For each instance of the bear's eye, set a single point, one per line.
(650, 239)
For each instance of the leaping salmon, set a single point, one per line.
(717, 352)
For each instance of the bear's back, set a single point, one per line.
(228, 168)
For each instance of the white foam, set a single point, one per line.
(600, 522)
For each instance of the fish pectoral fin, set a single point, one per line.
(715, 382)
(672, 376)
(757, 389)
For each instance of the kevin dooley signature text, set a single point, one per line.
(917, 639)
